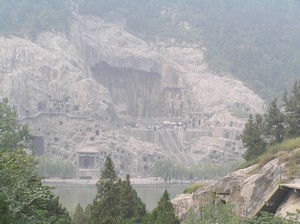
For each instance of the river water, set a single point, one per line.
(150, 194)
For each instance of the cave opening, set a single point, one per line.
(134, 92)
(147, 94)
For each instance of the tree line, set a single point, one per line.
(49, 167)
(167, 170)
(116, 202)
(280, 122)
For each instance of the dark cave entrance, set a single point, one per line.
(134, 92)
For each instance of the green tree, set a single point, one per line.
(218, 213)
(163, 213)
(214, 213)
(55, 168)
(106, 205)
(133, 209)
(252, 138)
(12, 135)
(163, 168)
(28, 201)
(88, 214)
(79, 216)
(56, 213)
(266, 217)
(292, 111)
(116, 201)
(4, 213)
(274, 130)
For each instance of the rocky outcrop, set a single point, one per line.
(249, 190)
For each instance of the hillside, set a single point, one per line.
(79, 90)
(254, 41)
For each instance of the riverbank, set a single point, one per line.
(72, 192)
(92, 182)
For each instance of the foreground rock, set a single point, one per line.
(249, 190)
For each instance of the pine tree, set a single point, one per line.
(88, 214)
(163, 213)
(106, 205)
(292, 111)
(274, 130)
(79, 215)
(126, 198)
(133, 209)
(116, 202)
(139, 207)
(4, 207)
(252, 138)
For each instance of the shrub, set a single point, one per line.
(192, 188)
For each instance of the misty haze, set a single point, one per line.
(114, 102)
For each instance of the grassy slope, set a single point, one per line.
(287, 151)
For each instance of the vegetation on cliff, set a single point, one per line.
(255, 41)
(266, 137)
(29, 17)
(217, 212)
(279, 123)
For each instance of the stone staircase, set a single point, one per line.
(173, 149)
(186, 154)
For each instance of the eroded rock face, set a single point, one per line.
(56, 88)
(218, 93)
(215, 97)
(39, 77)
(245, 189)
(226, 130)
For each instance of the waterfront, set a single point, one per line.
(83, 192)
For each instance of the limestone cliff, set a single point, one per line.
(43, 77)
(71, 87)
(180, 65)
